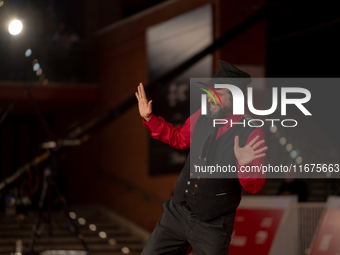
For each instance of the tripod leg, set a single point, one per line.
(38, 219)
(49, 198)
(67, 214)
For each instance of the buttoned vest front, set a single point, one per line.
(210, 198)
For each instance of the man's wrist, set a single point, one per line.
(237, 162)
(147, 118)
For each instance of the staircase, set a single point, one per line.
(103, 231)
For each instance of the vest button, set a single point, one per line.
(186, 191)
(193, 194)
(188, 182)
(191, 174)
(195, 165)
(196, 186)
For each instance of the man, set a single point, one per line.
(201, 213)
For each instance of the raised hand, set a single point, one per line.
(145, 106)
(248, 153)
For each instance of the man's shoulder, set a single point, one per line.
(194, 117)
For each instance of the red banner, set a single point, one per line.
(327, 239)
(254, 231)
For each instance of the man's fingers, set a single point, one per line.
(253, 141)
(261, 150)
(137, 96)
(260, 155)
(236, 142)
(142, 90)
(257, 144)
(139, 91)
(150, 104)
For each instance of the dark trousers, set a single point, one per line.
(178, 228)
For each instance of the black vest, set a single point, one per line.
(210, 198)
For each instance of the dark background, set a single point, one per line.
(301, 40)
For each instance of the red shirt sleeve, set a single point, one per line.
(178, 137)
(253, 182)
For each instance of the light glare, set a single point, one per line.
(45, 82)
(273, 129)
(289, 147)
(282, 141)
(28, 53)
(102, 234)
(125, 250)
(82, 221)
(298, 160)
(293, 154)
(36, 67)
(92, 227)
(15, 27)
(112, 242)
(73, 215)
(39, 72)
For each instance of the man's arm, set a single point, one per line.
(177, 137)
(252, 154)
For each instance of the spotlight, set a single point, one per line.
(293, 154)
(125, 250)
(73, 216)
(82, 221)
(282, 141)
(273, 129)
(289, 147)
(112, 242)
(298, 160)
(39, 72)
(15, 27)
(28, 53)
(36, 67)
(45, 82)
(102, 234)
(92, 227)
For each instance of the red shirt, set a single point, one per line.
(180, 138)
